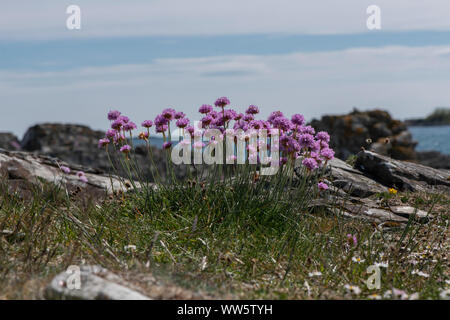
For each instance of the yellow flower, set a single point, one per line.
(392, 191)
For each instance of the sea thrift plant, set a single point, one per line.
(223, 136)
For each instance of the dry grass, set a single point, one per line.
(222, 245)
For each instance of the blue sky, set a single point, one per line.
(142, 56)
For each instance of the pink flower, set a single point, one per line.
(191, 130)
(65, 169)
(125, 149)
(111, 134)
(298, 119)
(323, 136)
(182, 123)
(147, 124)
(117, 124)
(168, 113)
(310, 164)
(205, 109)
(222, 102)
(113, 115)
(167, 145)
(124, 119)
(162, 128)
(306, 140)
(327, 153)
(322, 186)
(82, 177)
(179, 115)
(252, 109)
(129, 126)
(118, 138)
(352, 239)
(103, 142)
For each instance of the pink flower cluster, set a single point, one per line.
(296, 138)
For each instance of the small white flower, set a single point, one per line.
(382, 264)
(308, 288)
(414, 296)
(315, 274)
(129, 248)
(203, 264)
(352, 289)
(420, 273)
(397, 293)
(358, 260)
(374, 297)
(413, 262)
(445, 294)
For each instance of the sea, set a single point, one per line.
(432, 138)
(429, 138)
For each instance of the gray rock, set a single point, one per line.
(402, 175)
(78, 145)
(369, 210)
(355, 130)
(353, 181)
(407, 211)
(96, 283)
(21, 169)
(9, 141)
(434, 159)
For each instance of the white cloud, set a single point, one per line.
(45, 19)
(406, 81)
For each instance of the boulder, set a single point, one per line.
(78, 145)
(9, 141)
(402, 175)
(95, 283)
(374, 129)
(352, 181)
(22, 170)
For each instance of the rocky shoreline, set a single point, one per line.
(372, 174)
(356, 193)
(440, 117)
(373, 130)
(376, 131)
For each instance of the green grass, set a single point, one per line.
(243, 238)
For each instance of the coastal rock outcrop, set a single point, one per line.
(351, 188)
(22, 170)
(402, 175)
(375, 130)
(9, 141)
(353, 181)
(78, 145)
